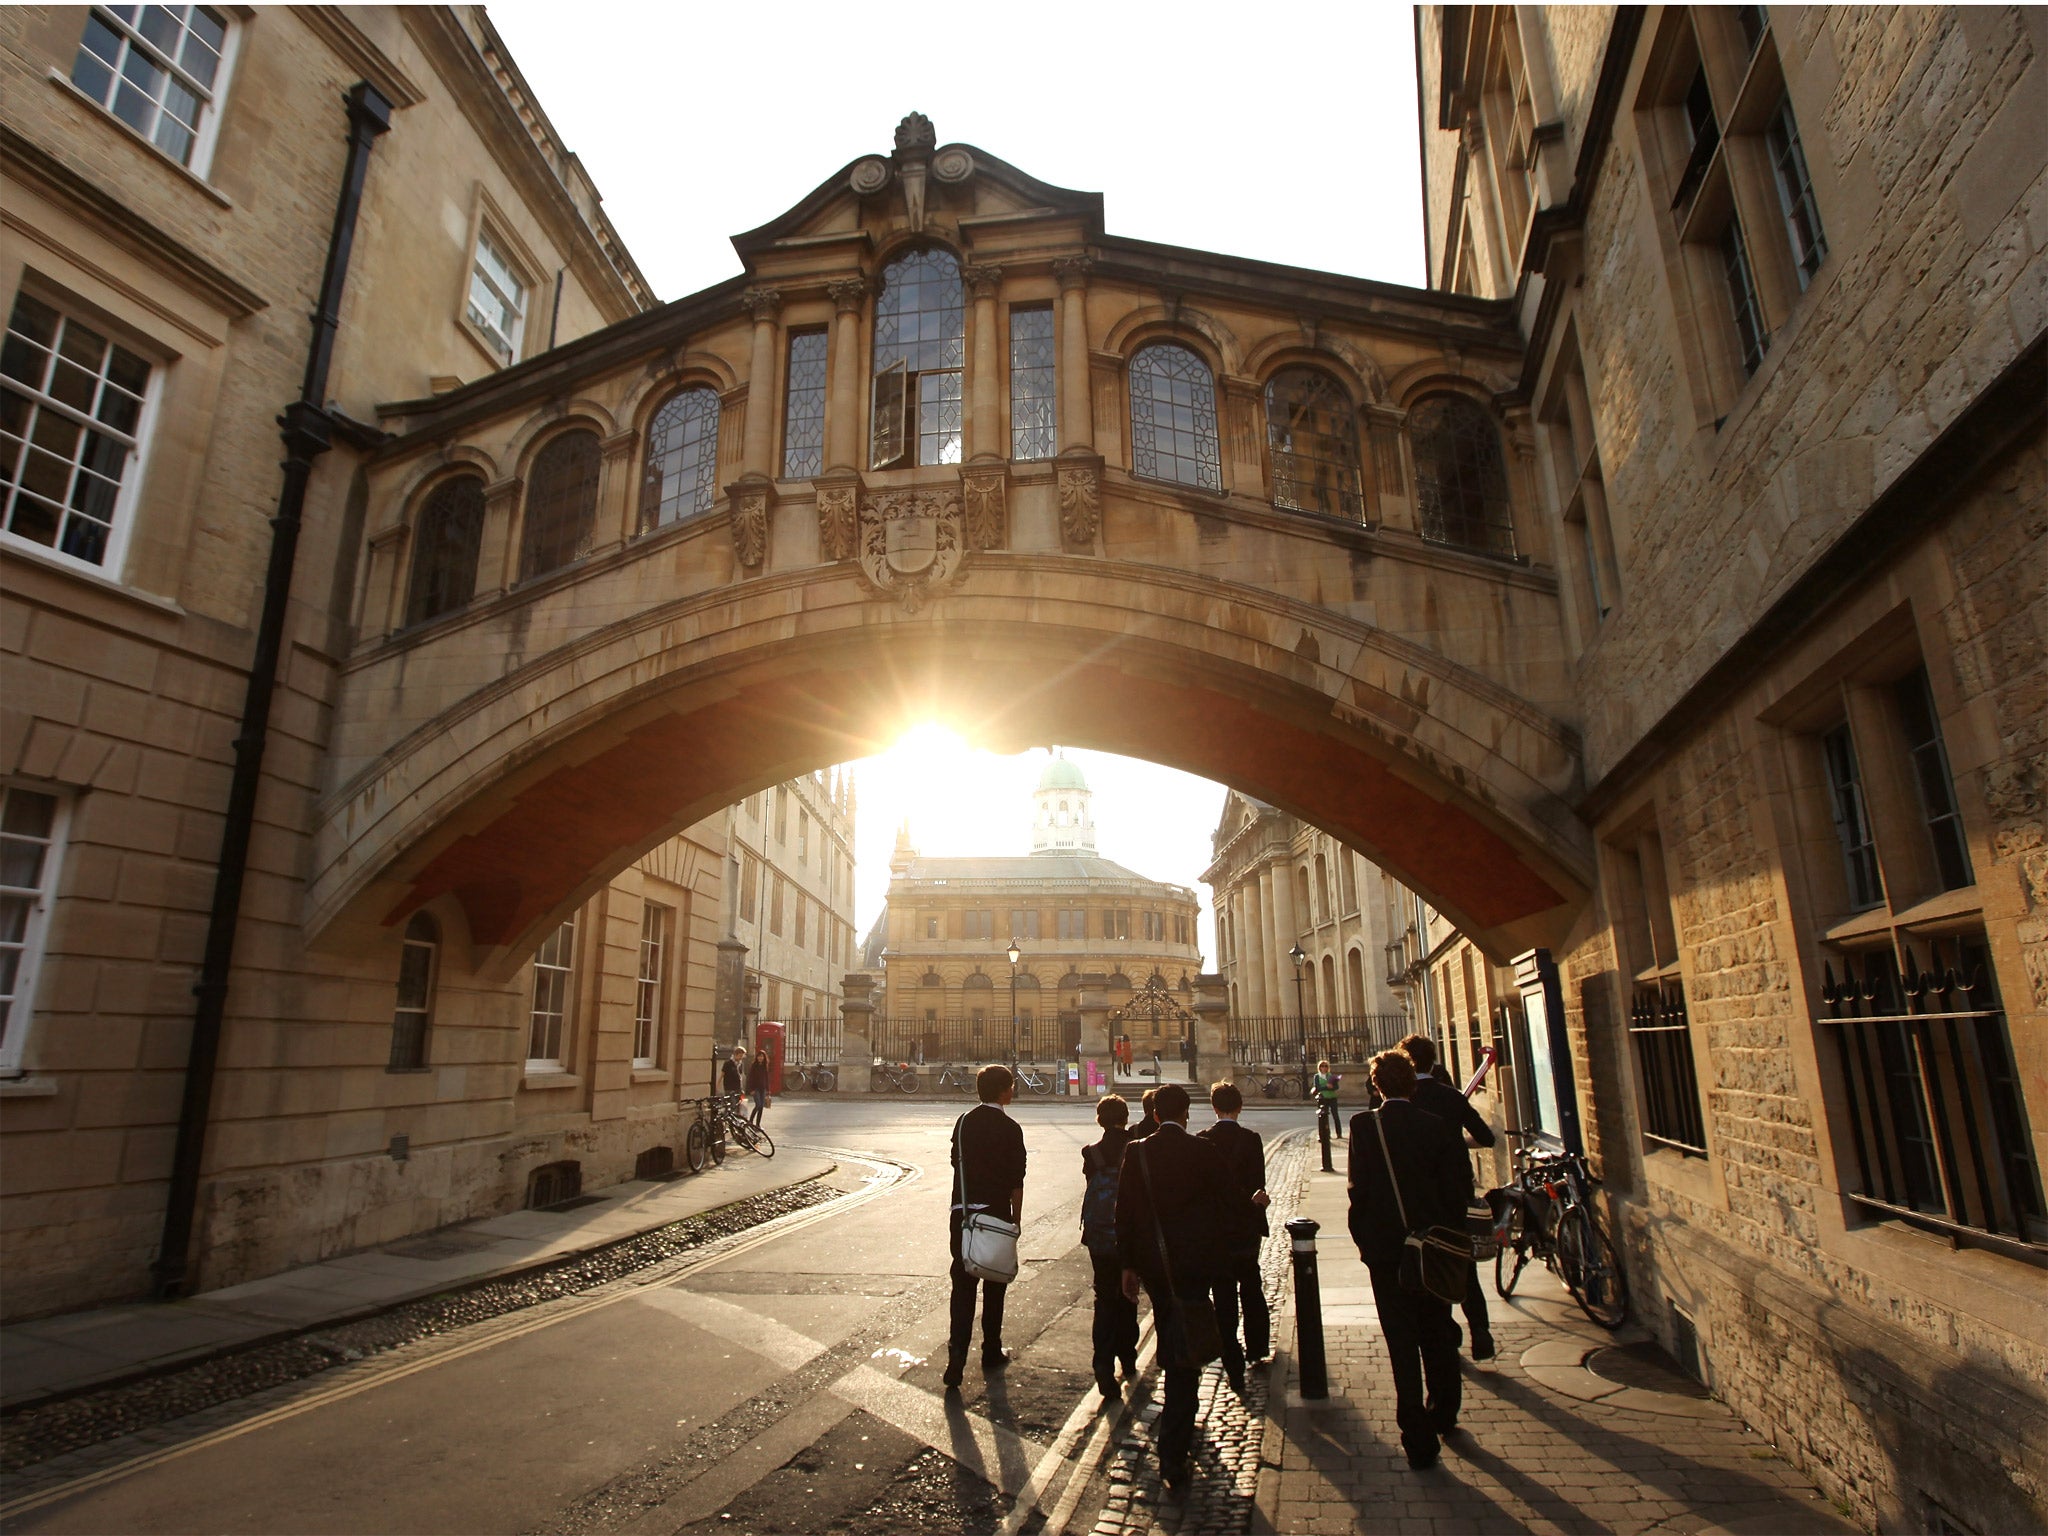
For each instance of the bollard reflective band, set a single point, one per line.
(1304, 1245)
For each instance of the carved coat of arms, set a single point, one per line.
(911, 543)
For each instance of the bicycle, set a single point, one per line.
(1282, 1085)
(1547, 1213)
(705, 1139)
(1032, 1078)
(732, 1114)
(817, 1078)
(893, 1074)
(957, 1078)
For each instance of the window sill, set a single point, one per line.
(544, 1079)
(28, 1088)
(1960, 908)
(63, 83)
(650, 1074)
(15, 548)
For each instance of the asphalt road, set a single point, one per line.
(792, 1387)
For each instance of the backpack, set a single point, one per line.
(1098, 1207)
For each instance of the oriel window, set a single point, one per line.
(920, 348)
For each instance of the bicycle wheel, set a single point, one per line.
(1512, 1257)
(826, 1079)
(752, 1137)
(1591, 1269)
(717, 1144)
(877, 1080)
(1272, 1087)
(908, 1081)
(1039, 1084)
(696, 1146)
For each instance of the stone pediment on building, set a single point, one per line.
(920, 185)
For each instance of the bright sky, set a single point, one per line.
(1291, 143)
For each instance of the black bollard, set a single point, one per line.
(1310, 1369)
(1323, 1117)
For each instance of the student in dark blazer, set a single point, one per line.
(990, 1153)
(1241, 1287)
(1116, 1315)
(1148, 1118)
(1435, 1176)
(1184, 1181)
(1435, 1092)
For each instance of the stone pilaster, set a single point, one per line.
(498, 551)
(1076, 419)
(383, 602)
(618, 500)
(984, 435)
(752, 496)
(843, 407)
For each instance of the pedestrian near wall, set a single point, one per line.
(757, 1082)
(1435, 1093)
(1428, 1157)
(1241, 1290)
(1173, 1186)
(731, 1080)
(1116, 1315)
(988, 1156)
(1325, 1089)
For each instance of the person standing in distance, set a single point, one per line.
(730, 1080)
(988, 1151)
(1240, 1287)
(757, 1082)
(1177, 1185)
(1428, 1157)
(1435, 1093)
(1116, 1315)
(1324, 1087)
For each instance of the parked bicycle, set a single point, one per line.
(705, 1140)
(1282, 1085)
(816, 1078)
(732, 1115)
(893, 1074)
(1547, 1213)
(1030, 1077)
(958, 1077)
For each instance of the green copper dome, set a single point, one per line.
(1061, 774)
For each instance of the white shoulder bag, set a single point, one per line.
(988, 1243)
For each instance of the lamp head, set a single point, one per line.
(1016, 954)
(1298, 956)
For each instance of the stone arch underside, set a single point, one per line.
(524, 797)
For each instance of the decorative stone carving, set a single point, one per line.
(952, 165)
(869, 175)
(915, 135)
(838, 519)
(750, 525)
(1072, 271)
(911, 543)
(982, 280)
(762, 303)
(847, 293)
(983, 493)
(1080, 505)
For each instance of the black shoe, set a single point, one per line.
(1105, 1383)
(1130, 1363)
(1177, 1475)
(1482, 1346)
(994, 1359)
(1445, 1425)
(956, 1371)
(1236, 1380)
(1421, 1460)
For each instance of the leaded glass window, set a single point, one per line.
(681, 476)
(920, 348)
(561, 504)
(1461, 486)
(70, 417)
(1795, 193)
(803, 415)
(153, 67)
(1173, 418)
(445, 540)
(1313, 433)
(1031, 384)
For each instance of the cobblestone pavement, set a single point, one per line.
(1546, 1445)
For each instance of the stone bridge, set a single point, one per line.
(948, 449)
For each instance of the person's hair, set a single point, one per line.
(992, 1082)
(1170, 1102)
(1112, 1110)
(1323, 1065)
(1150, 1101)
(1394, 1074)
(1419, 1049)
(739, 1050)
(760, 1053)
(1225, 1099)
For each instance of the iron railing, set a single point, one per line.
(1662, 1037)
(1037, 1039)
(811, 1042)
(1349, 1040)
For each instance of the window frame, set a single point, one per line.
(420, 1035)
(16, 1035)
(565, 971)
(504, 351)
(897, 432)
(429, 498)
(692, 398)
(812, 443)
(1431, 478)
(206, 131)
(1207, 459)
(1023, 391)
(650, 990)
(1327, 477)
(585, 515)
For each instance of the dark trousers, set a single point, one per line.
(1175, 1431)
(1116, 1317)
(1329, 1111)
(993, 1295)
(760, 1104)
(1474, 1306)
(1423, 1342)
(1243, 1290)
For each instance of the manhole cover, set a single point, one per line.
(1643, 1365)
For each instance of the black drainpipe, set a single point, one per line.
(307, 432)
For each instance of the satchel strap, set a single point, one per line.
(1379, 1124)
(960, 1165)
(1152, 1200)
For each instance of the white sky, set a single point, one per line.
(1292, 143)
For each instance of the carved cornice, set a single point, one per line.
(763, 304)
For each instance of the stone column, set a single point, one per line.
(843, 410)
(983, 440)
(1076, 419)
(856, 1051)
(1248, 955)
(753, 494)
(1269, 942)
(1286, 925)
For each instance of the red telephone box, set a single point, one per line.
(768, 1037)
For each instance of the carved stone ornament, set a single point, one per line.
(847, 293)
(1072, 271)
(1080, 506)
(911, 543)
(838, 520)
(915, 135)
(762, 303)
(982, 490)
(869, 175)
(952, 165)
(982, 280)
(750, 527)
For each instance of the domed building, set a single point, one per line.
(1070, 913)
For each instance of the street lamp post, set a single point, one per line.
(1300, 1017)
(1015, 954)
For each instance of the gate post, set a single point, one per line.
(1212, 1029)
(857, 1008)
(1095, 1033)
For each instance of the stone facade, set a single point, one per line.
(1783, 276)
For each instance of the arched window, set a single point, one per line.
(978, 983)
(1119, 982)
(920, 346)
(445, 539)
(417, 962)
(561, 504)
(680, 479)
(1313, 433)
(1461, 487)
(1173, 418)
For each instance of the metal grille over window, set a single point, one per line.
(497, 299)
(70, 414)
(28, 832)
(553, 969)
(803, 425)
(1313, 433)
(1031, 384)
(446, 538)
(153, 67)
(1795, 193)
(1852, 820)
(1662, 1037)
(1755, 341)
(1173, 418)
(680, 479)
(561, 504)
(1935, 1108)
(920, 334)
(1461, 485)
(413, 1016)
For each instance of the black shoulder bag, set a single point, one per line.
(1436, 1262)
